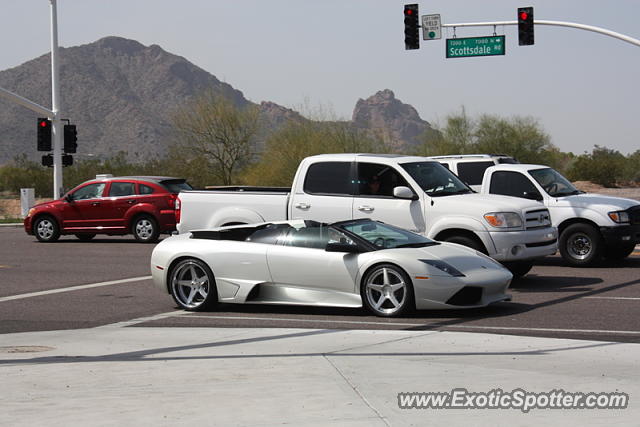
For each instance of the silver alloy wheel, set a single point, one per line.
(386, 290)
(190, 284)
(579, 246)
(45, 229)
(144, 228)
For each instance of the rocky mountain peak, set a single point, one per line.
(399, 123)
(120, 45)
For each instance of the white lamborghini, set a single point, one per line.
(345, 264)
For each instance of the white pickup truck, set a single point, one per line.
(410, 192)
(590, 225)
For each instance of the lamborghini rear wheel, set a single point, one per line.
(192, 285)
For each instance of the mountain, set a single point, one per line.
(121, 95)
(399, 123)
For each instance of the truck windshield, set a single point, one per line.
(553, 183)
(435, 179)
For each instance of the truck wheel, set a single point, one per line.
(580, 245)
(518, 268)
(46, 229)
(145, 229)
(619, 252)
(466, 241)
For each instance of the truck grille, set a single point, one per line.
(634, 214)
(538, 218)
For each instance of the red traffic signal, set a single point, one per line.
(411, 27)
(44, 134)
(525, 26)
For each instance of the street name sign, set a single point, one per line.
(475, 46)
(431, 27)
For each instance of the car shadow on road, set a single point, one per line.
(556, 261)
(534, 283)
(99, 240)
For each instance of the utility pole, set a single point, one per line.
(57, 129)
(54, 113)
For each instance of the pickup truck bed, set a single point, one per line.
(227, 206)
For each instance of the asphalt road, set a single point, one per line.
(72, 284)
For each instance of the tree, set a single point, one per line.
(520, 137)
(456, 137)
(214, 128)
(285, 149)
(603, 166)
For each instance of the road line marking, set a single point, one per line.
(415, 324)
(74, 288)
(132, 322)
(509, 328)
(623, 298)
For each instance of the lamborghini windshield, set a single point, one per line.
(384, 236)
(435, 179)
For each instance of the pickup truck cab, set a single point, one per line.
(470, 167)
(590, 225)
(410, 192)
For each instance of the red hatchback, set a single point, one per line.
(141, 205)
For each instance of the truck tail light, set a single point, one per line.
(177, 206)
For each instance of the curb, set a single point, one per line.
(13, 224)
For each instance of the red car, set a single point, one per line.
(144, 206)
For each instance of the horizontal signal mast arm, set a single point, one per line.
(26, 103)
(599, 30)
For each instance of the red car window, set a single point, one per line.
(91, 191)
(122, 189)
(145, 189)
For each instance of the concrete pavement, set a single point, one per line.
(120, 375)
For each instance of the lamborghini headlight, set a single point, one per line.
(443, 266)
(503, 219)
(619, 216)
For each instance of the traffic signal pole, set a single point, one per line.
(57, 129)
(54, 113)
(599, 30)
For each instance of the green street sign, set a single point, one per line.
(475, 46)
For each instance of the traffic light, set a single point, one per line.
(411, 27)
(525, 26)
(70, 138)
(44, 134)
(47, 160)
(67, 160)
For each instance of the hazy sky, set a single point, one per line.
(582, 87)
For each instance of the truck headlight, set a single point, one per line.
(619, 216)
(503, 219)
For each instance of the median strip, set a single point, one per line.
(435, 326)
(73, 288)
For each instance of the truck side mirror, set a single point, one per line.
(533, 195)
(402, 192)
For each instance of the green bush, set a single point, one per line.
(602, 166)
